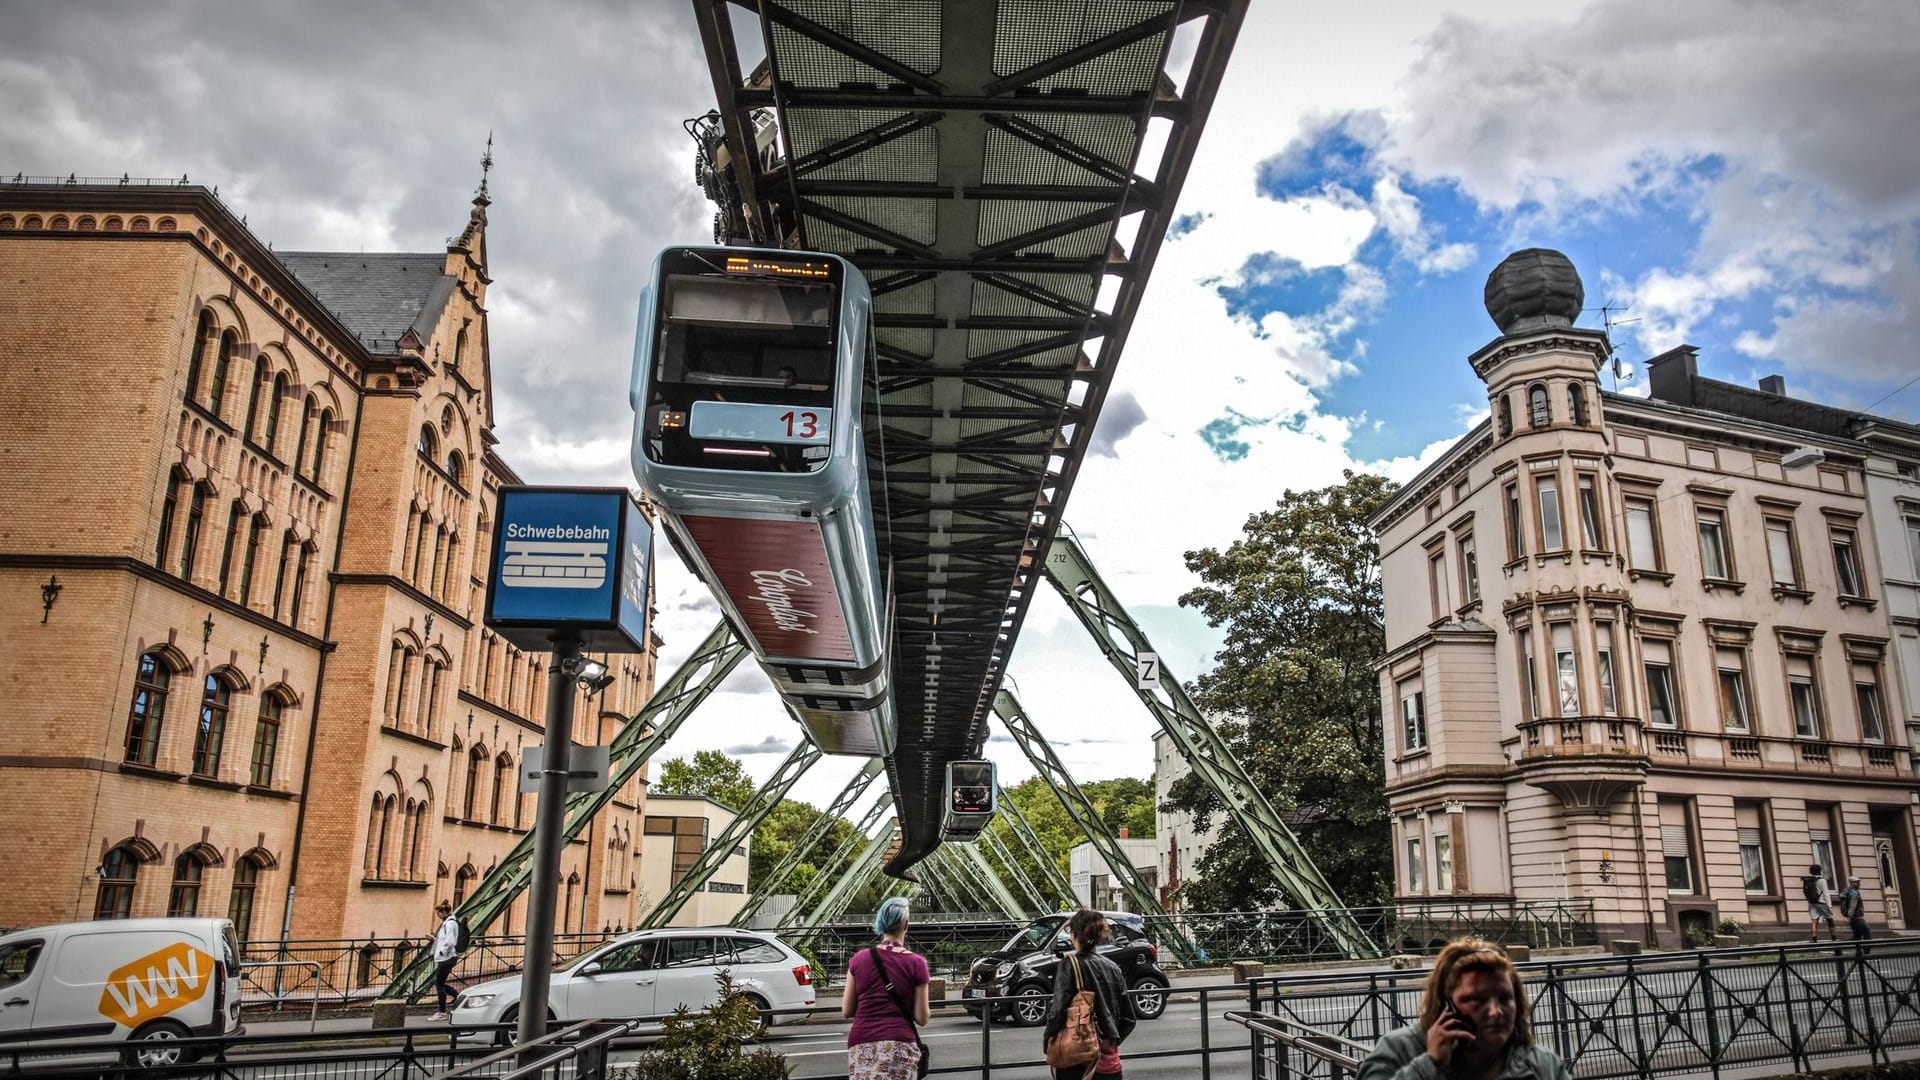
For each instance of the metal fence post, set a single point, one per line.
(986, 1039)
(1713, 1021)
(1793, 1026)
(1874, 1049)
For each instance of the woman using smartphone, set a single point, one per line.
(1473, 1024)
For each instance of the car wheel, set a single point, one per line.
(760, 1006)
(1149, 998)
(158, 1045)
(511, 1035)
(1029, 1006)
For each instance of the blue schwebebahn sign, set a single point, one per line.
(570, 561)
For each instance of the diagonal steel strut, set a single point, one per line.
(815, 833)
(740, 829)
(864, 867)
(1123, 642)
(1008, 870)
(1037, 854)
(641, 737)
(823, 881)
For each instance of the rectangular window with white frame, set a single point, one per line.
(1529, 682)
(1442, 864)
(1736, 709)
(1803, 693)
(1590, 529)
(1715, 560)
(1552, 535)
(1413, 717)
(1643, 535)
(1866, 695)
(1603, 665)
(1783, 554)
(1566, 671)
(1416, 867)
(1662, 704)
(1913, 544)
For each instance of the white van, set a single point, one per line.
(146, 981)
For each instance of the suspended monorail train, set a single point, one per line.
(972, 787)
(748, 372)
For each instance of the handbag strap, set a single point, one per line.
(880, 969)
(1075, 960)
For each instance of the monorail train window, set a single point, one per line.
(746, 354)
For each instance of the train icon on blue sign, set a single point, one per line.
(552, 564)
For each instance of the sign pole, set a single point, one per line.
(548, 819)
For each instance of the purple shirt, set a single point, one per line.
(877, 1017)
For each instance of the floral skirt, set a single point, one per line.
(887, 1060)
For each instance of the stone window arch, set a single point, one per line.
(146, 716)
(210, 734)
(270, 438)
(1577, 404)
(203, 339)
(222, 367)
(119, 876)
(503, 771)
(1539, 410)
(266, 736)
(240, 900)
(476, 765)
(262, 378)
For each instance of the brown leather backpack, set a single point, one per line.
(1079, 1042)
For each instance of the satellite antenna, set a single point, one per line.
(1610, 318)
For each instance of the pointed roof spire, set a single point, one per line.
(486, 166)
(474, 240)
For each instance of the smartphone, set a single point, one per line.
(1466, 1022)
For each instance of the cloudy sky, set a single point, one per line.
(1737, 175)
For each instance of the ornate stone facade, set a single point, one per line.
(244, 532)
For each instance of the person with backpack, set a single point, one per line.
(886, 998)
(448, 944)
(1853, 907)
(1813, 885)
(1091, 1014)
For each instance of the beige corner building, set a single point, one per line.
(244, 539)
(677, 828)
(1655, 654)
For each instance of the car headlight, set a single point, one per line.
(1003, 971)
(474, 1001)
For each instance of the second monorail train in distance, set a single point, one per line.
(748, 375)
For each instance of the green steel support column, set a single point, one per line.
(1140, 897)
(850, 883)
(952, 897)
(837, 861)
(1011, 869)
(1057, 882)
(816, 832)
(641, 737)
(1072, 574)
(970, 876)
(971, 858)
(954, 886)
(737, 832)
(839, 907)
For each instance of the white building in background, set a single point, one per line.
(1178, 845)
(677, 829)
(1092, 879)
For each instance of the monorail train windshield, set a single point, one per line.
(745, 356)
(970, 799)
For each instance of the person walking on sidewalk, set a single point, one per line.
(1853, 907)
(1813, 885)
(446, 953)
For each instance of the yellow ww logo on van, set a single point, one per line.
(156, 984)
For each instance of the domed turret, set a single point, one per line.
(1534, 289)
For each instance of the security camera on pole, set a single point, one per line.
(571, 574)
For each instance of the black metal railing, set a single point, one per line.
(345, 972)
(1284, 1050)
(394, 1053)
(1785, 1007)
(1422, 928)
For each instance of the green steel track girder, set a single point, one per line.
(642, 736)
(864, 867)
(738, 831)
(952, 896)
(825, 879)
(1123, 642)
(815, 833)
(970, 857)
(1081, 809)
(1010, 870)
(965, 889)
(1057, 882)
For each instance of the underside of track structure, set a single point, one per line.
(1004, 172)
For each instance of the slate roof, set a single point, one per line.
(378, 296)
(1674, 378)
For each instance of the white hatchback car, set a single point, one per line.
(652, 973)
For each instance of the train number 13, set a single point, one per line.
(805, 425)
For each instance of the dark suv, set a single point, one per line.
(1023, 968)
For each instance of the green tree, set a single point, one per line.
(1295, 695)
(710, 774)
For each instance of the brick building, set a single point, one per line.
(244, 502)
(1657, 654)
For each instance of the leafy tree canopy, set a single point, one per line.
(1295, 695)
(710, 774)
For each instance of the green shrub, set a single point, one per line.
(711, 1044)
(1731, 926)
(1699, 937)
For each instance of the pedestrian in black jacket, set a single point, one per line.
(1113, 1011)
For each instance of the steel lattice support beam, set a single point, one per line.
(737, 832)
(673, 701)
(864, 867)
(952, 896)
(970, 857)
(823, 881)
(815, 833)
(1082, 811)
(1123, 642)
(1009, 869)
(963, 881)
(1037, 852)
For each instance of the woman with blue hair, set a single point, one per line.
(886, 998)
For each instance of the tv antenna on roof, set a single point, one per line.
(1610, 318)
